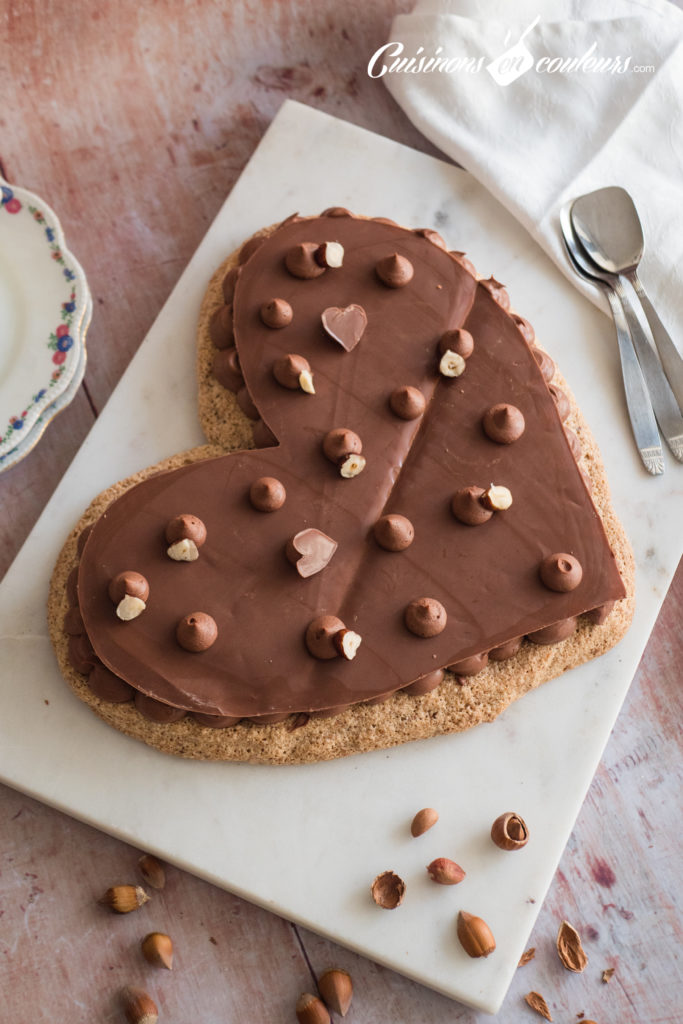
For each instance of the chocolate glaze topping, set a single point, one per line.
(486, 579)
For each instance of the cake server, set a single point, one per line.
(638, 402)
(609, 229)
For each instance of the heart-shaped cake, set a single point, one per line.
(411, 545)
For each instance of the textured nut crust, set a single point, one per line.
(449, 708)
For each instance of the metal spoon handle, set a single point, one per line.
(672, 360)
(663, 401)
(638, 402)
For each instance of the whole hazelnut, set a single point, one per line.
(423, 821)
(196, 632)
(475, 935)
(509, 832)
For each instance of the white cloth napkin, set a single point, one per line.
(547, 137)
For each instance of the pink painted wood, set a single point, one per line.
(137, 119)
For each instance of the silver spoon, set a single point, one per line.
(610, 231)
(638, 401)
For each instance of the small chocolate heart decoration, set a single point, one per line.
(310, 551)
(345, 325)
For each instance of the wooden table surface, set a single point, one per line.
(134, 120)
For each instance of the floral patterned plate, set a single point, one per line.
(30, 440)
(43, 302)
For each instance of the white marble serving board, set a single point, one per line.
(307, 841)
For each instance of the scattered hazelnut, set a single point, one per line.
(306, 382)
(475, 935)
(497, 498)
(267, 494)
(497, 291)
(345, 325)
(561, 572)
(425, 617)
(157, 949)
(351, 466)
(347, 643)
(527, 956)
(423, 821)
(129, 608)
(509, 832)
(276, 313)
(503, 423)
(330, 254)
(394, 532)
(288, 371)
(196, 632)
(467, 507)
(336, 988)
(183, 551)
(152, 870)
(388, 890)
(451, 365)
(395, 271)
(407, 402)
(310, 551)
(124, 898)
(459, 341)
(311, 1010)
(138, 1006)
(320, 636)
(445, 871)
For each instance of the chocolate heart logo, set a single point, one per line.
(346, 325)
(310, 551)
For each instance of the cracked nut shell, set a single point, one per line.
(388, 890)
(509, 832)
